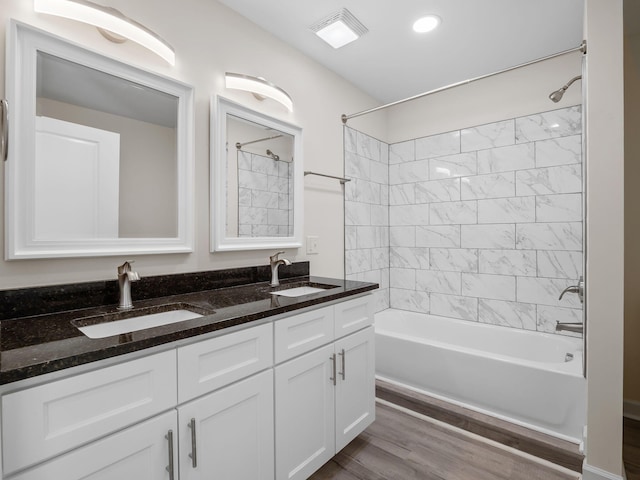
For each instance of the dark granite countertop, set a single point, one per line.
(39, 344)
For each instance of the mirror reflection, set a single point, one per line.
(259, 180)
(105, 155)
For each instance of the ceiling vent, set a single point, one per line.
(339, 28)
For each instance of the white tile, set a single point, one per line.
(380, 300)
(556, 123)
(454, 306)
(356, 166)
(488, 236)
(380, 258)
(545, 291)
(357, 261)
(402, 152)
(438, 282)
(460, 165)
(370, 237)
(264, 199)
(409, 257)
(277, 184)
(438, 145)
(368, 147)
(507, 314)
(559, 208)
(357, 213)
(350, 140)
(491, 135)
(253, 216)
(498, 287)
(560, 264)
(493, 185)
(265, 165)
(454, 259)
(549, 236)
(445, 190)
(409, 300)
(384, 153)
(404, 278)
(402, 236)
(408, 215)
(244, 160)
(379, 215)
(350, 237)
(548, 316)
(245, 197)
(447, 213)
(365, 191)
(508, 262)
(549, 180)
(507, 210)
(559, 151)
(438, 236)
(384, 276)
(256, 181)
(506, 159)
(379, 172)
(409, 172)
(402, 194)
(277, 217)
(384, 195)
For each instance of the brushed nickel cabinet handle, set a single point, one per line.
(170, 469)
(343, 372)
(194, 452)
(333, 368)
(4, 129)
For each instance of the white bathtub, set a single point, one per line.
(512, 374)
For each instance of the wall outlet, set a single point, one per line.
(313, 245)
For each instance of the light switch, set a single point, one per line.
(313, 245)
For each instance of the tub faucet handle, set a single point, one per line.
(579, 289)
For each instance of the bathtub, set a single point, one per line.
(528, 378)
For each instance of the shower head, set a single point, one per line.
(273, 155)
(557, 95)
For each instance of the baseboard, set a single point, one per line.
(631, 409)
(595, 473)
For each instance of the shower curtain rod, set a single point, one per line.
(582, 48)
(240, 145)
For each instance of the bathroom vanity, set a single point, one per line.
(265, 386)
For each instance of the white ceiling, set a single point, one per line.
(391, 62)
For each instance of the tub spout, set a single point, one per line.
(575, 327)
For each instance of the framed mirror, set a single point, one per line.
(256, 180)
(100, 154)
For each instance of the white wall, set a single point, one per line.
(605, 236)
(209, 39)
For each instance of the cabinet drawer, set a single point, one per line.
(140, 452)
(43, 421)
(353, 315)
(302, 333)
(214, 363)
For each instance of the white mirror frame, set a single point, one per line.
(220, 108)
(23, 44)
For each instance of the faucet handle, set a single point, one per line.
(579, 289)
(274, 257)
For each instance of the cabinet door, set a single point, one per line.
(140, 452)
(233, 432)
(355, 390)
(305, 437)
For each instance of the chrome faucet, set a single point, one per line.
(576, 327)
(275, 263)
(125, 277)
(579, 289)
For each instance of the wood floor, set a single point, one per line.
(400, 446)
(631, 448)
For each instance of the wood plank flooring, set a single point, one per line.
(400, 446)
(631, 448)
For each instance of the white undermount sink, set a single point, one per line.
(94, 328)
(298, 291)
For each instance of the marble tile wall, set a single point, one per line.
(367, 212)
(485, 223)
(264, 197)
(481, 224)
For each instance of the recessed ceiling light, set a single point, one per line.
(426, 24)
(339, 28)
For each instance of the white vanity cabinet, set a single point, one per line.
(326, 397)
(275, 400)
